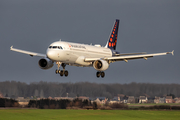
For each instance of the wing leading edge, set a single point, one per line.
(27, 52)
(130, 57)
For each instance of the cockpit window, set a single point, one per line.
(54, 46)
(50, 46)
(60, 47)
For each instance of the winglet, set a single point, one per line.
(171, 52)
(11, 47)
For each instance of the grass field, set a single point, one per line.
(47, 114)
(149, 104)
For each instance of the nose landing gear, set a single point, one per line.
(58, 66)
(61, 72)
(99, 73)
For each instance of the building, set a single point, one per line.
(64, 98)
(50, 97)
(162, 100)
(143, 99)
(169, 99)
(124, 100)
(23, 102)
(115, 100)
(156, 100)
(1, 95)
(131, 99)
(83, 98)
(101, 100)
(177, 100)
(121, 95)
(150, 100)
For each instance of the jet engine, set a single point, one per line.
(45, 63)
(101, 65)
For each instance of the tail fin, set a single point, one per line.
(113, 36)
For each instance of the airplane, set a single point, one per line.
(82, 55)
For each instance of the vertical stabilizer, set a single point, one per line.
(113, 36)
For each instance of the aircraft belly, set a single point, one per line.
(70, 57)
(76, 54)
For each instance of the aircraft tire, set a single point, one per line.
(102, 74)
(66, 73)
(98, 74)
(61, 73)
(56, 71)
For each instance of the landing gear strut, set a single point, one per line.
(99, 73)
(61, 72)
(58, 66)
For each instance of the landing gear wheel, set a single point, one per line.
(61, 73)
(66, 73)
(98, 74)
(56, 71)
(58, 66)
(102, 74)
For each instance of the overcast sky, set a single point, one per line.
(150, 26)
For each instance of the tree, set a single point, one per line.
(36, 93)
(41, 94)
(173, 96)
(6, 95)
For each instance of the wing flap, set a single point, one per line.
(91, 59)
(132, 53)
(129, 57)
(124, 58)
(27, 52)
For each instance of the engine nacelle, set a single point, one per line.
(45, 63)
(101, 65)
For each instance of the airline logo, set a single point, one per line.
(113, 37)
(77, 46)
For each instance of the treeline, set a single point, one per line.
(45, 89)
(48, 104)
(79, 104)
(8, 103)
(74, 104)
(61, 104)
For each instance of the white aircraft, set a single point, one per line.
(82, 55)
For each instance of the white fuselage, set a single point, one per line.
(75, 53)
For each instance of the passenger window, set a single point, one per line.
(54, 46)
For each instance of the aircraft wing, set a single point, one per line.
(27, 52)
(129, 57)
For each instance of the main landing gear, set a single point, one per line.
(99, 73)
(61, 72)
